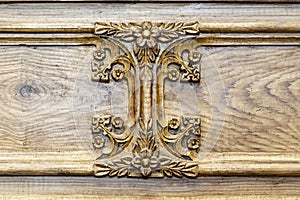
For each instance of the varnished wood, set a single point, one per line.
(108, 188)
(67, 145)
(255, 54)
(204, 27)
(206, 39)
(48, 99)
(67, 14)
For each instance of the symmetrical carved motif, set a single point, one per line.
(112, 128)
(145, 145)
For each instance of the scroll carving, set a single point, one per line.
(146, 144)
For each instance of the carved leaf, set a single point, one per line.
(177, 173)
(164, 161)
(113, 172)
(126, 160)
(102, 170)
(191, 27)
(122, 172)
(103, 28)
(167, 172)
(181, 168)
(190, 170)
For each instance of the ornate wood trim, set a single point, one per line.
(225, 163)
(147, 145)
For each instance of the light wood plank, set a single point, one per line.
(111, 188)
(68, 14)
(41, 86)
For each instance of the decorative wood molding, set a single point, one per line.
(126, 68)
(204, 27)
(146, 145)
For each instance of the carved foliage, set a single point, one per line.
(166, 167)
(181, 137)
(181, 62)
(146, 36)
(109, 63)
(109, 134)
(146, 161)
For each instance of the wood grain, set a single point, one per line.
(39, 123)
(36, 98)
(67, 14)
(262, 98)
(47, 98)
(111, 188)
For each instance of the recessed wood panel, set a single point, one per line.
(48, 99)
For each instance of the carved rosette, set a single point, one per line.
(136, 146)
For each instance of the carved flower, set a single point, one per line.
(173, 75)
(117, 122)
(195, 122)
(174, 124)
(145, 162)
(194, 57)
(99, 54)
(146, 35)
(104, 120)
(193, 143)
(117, 74)
(98, 142)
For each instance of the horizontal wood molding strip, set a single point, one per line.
(81, 163)
(204, 27)
(205, 39)
(250, 27)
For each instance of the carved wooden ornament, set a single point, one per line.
(146, 144)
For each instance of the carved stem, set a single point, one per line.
(146, 94)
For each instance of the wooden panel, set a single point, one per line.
(47, 96)
(38, 110)
(37, 87)
(111, 188)
(262, 95)
(68, 14)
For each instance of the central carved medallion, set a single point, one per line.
(144, 56)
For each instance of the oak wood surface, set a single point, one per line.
(112, 188)
(46, 99)
(68, 14)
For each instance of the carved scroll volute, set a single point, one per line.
(181, 61)
(111, 134)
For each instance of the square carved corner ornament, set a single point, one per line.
(144, 56)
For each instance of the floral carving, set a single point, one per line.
(144, 150)
(193, 143)
(182, 138)
(187, 70)
(165, 167)
(174, 124)
(109, 134)
(146, 36)
(111, 60)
